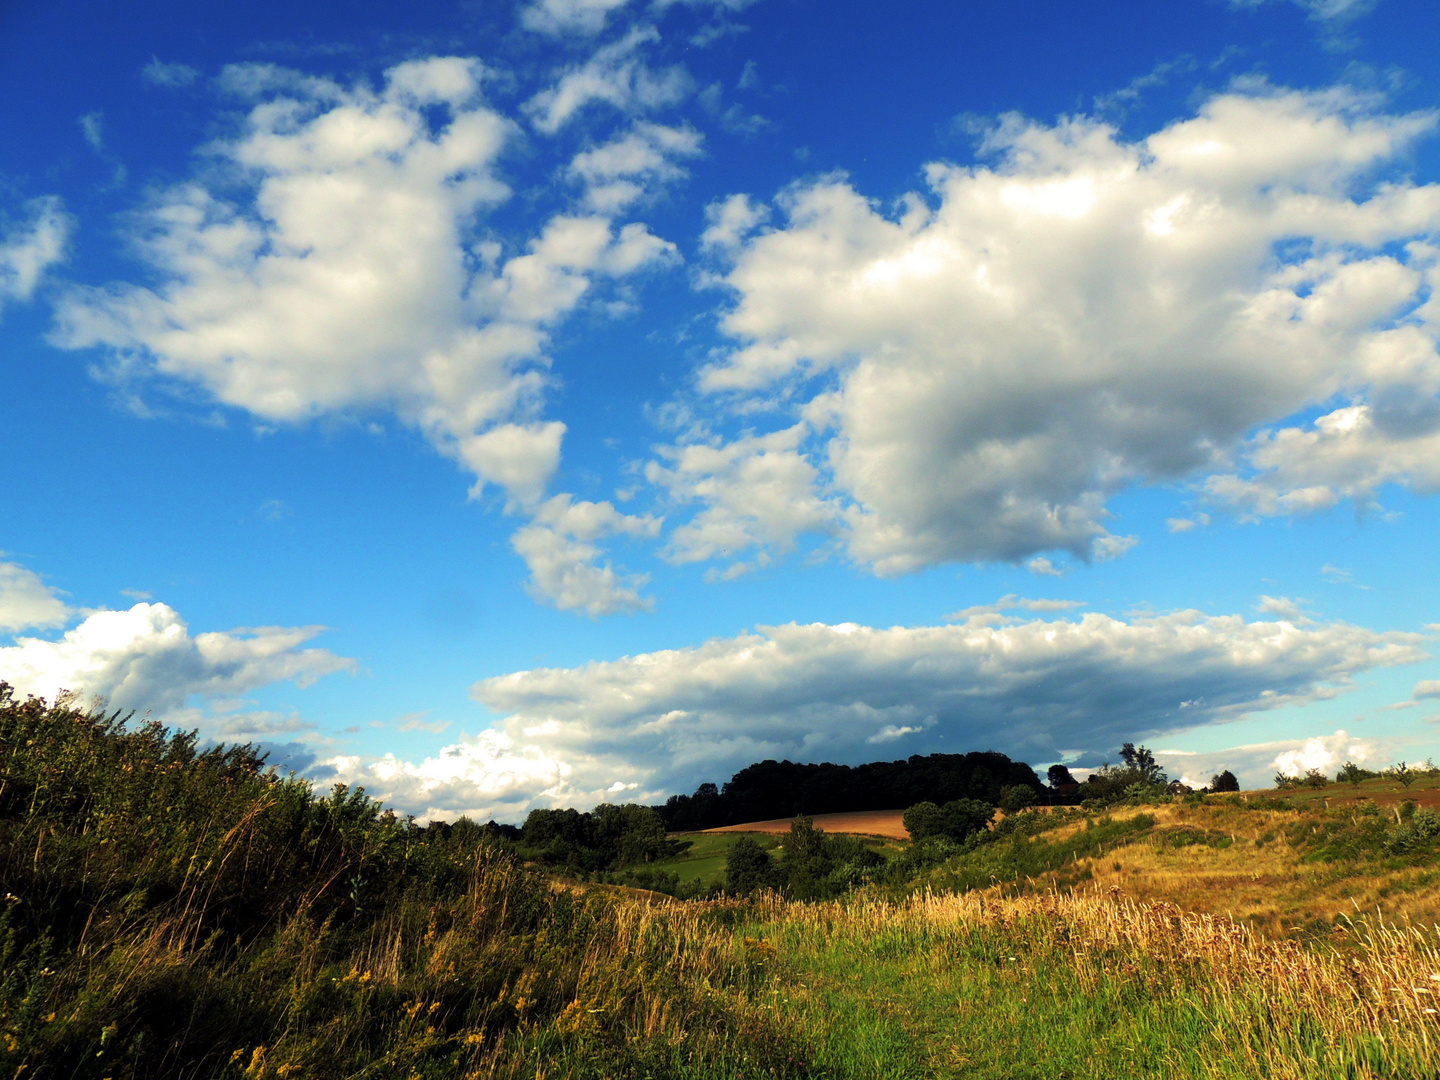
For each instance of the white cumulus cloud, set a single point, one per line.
(983, 368)
(145, 658)
(484, 777)
(1324, 752)
(560, 548)
(758, 492)
(26, 602)
(634, 164)
(330, 259)
(1255, 764)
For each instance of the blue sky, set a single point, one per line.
(503, 405)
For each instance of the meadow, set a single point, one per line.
(176, 912)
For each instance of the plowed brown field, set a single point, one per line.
(863, 822)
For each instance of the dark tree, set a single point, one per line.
(955, 820)
(1016, 798)
(966, 816)
(1224, 781)
(1057, 775)
(924, 820)
(632, 834)
(805, 864)
(747, 867)
(1141, 761)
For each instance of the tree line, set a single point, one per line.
(782, 789)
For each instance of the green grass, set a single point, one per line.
(704, 860)
(1048, 988)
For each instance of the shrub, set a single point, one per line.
(816, 866)
(747, 867)
(1420, 829)
(923, 820)
(1016, 798)
(1110, 784)
(1402, 774)
(1354, 775)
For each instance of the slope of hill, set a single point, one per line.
(173, 913)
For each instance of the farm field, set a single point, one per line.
(861, 822)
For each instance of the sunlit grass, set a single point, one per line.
(1094, 985)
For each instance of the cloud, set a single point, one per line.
(92, 126)
(559, 547)
(1255, 764)
(1339, 576)
(635, 164)
(589, 17)
(147, 659)
(1326, 753)
(1011, 602)
(416, 722)
(1284, 607)
(1134, 91)
(26, 602)
(568, 16)
(615, 75)
(669, 719)
(1429, 688)
(734, 118)
(1323, 11)
(350, 272)
(171, 75)
(758, 493)
(1349, 453)
(986, 367)
(1043, 567)
(30, 247)
(1180, 525)
(730, 220)
(484, 777)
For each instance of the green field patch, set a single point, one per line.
(704, 860)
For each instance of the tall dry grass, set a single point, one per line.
(1207, 995)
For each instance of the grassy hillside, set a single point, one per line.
(1282, 863)
(172, 913)
(169, 913)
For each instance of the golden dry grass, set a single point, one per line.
(1259, 878)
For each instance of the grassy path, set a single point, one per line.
(905, 1016)
(1094, 991)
